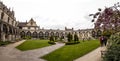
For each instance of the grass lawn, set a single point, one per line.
(32, 44)
(71, 52)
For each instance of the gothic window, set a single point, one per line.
(52, 33)
(5, 28)
(62, 35)
(8, 19)
(99, 33)
(46, 34)
(10, 30)
(12, 22)
(22, 34)
(93, 33)
(34, 35)
(40, 34)
(31, 23)
(28, 33)
(3, 8)
(2, 15)
(57, 34)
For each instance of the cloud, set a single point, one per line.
(56, 14)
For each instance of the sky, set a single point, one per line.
(58, 14)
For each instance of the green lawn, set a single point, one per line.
(71, 52)
(33, 44)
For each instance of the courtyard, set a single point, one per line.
(59, 30)
(49, 52)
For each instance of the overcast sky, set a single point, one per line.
(54, 14)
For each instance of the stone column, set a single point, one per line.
(2, 35)
(0, 31)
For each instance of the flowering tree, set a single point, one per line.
(107, 19)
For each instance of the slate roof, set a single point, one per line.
(22, 24)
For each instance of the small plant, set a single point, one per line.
(70, 37)
(71, 43)
(76, 39)
(51, 38)
(51, 42)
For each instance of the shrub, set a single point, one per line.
(51, 38)
(114, 39)
(76, 38)
(113, 51)
(71, 43)
(107, 33)
(27, 37)
(4, 43)
(51, 42)
(70, 37)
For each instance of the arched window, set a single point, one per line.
(57, 34)
(22, 34)
(12, 22)
(62, 35)
(93, 33)
(11, 30)
(8, 19)
(99, 33)
(5, 28)
(46, 34)
(31, 23)
(52, 33)
(40, 34)
(28, 33)
(34, 35)
(2, 15)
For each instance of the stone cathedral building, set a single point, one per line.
(8, 24)
(11, 30)
(31, 29)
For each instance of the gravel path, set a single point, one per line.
(92, 56)
(10, 53)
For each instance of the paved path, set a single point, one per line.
(10, 53)
(92, 56)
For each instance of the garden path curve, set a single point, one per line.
(95, 55)
(10, 53)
